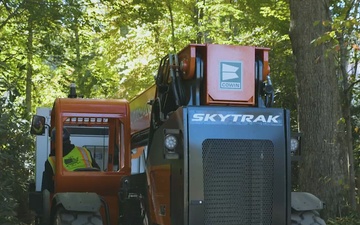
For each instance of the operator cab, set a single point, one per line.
(94, 139)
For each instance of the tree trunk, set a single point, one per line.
(199, 12)
(29, 69)
(323, 169)
(77, 50)
(346, 110)
(168, 4)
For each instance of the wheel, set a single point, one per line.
(306, 218)
(64, 217)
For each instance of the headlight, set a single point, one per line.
(170, 142)
(294, 144)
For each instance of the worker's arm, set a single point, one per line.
(93, 161)
(94, 164)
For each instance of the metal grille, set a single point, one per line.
(238, 181)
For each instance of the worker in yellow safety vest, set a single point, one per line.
(74, 158)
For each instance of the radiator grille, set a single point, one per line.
(238, 181)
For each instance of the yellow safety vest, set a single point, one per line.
(76, 159)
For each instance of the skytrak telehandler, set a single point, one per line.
(216, 153)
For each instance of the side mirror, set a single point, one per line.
(38, 125)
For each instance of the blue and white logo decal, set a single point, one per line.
(231, 75)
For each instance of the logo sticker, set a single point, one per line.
(231, 118)
(231, 75)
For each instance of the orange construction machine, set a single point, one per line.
(215, 151)
(87, 195)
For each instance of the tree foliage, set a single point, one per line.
(16, 160)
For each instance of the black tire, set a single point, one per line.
(306, 218)
(64, 217)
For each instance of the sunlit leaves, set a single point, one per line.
(279, 10)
